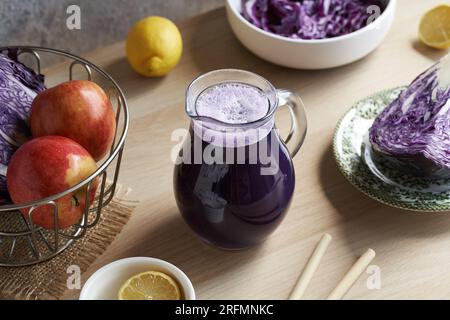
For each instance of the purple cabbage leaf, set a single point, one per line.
(19, 85)
(416, 126)
(309, 19)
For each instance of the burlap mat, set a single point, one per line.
(48, 280)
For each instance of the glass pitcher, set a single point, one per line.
(234, 177)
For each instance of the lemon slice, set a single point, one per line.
(434, 29)
(150, 285)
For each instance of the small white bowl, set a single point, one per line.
(310, 54)
(105, 283)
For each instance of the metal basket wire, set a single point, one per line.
(24, 243)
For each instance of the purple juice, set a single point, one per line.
(230, 203)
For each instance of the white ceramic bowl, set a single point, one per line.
(310, 54)
(105, 283)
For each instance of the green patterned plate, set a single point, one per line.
(354, 158)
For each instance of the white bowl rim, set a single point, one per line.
(390, 6)
(180, 276)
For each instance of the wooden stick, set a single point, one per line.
(352, 275)
(310, 268)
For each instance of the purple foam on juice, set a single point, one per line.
(232, 103)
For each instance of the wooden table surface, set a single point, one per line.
(412, 248)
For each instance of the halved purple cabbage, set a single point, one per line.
(415, 128)
(309, 19)
(19, 85)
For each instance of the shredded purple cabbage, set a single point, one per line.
(19, 85)
(310, 19)
(417, 123)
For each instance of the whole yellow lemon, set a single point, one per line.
(154, 46)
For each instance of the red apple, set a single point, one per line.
(79, 110)
(44, 167)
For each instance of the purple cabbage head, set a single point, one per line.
(416, 126)
(309, 19)
(19, 85)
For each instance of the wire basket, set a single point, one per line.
(21, 241)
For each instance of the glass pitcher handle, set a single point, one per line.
(297, 132)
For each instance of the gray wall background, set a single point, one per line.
(43, 22)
